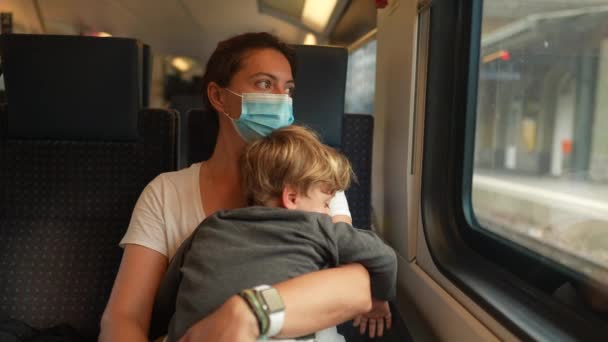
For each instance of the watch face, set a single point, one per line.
(273, 300)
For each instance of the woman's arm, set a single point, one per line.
(313, 302)
(127, 315)
(322, 299)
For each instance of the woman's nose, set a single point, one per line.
(279, 89)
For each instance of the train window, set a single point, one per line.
(540, 165)
(361, 79)
(513, 190)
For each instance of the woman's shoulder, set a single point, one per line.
(176, 179)
(171, 188)
(166, 212)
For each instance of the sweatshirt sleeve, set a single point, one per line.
(352, 245)
(339, 205)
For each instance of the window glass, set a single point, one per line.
(361, 80)
(541, 140)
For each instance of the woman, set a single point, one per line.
(173, 204)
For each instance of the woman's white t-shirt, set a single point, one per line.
(170, 208)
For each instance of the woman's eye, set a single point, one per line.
(290, 91)
(264, 84)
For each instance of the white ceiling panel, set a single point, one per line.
(101, 15)
(175, 27)
(222, 19)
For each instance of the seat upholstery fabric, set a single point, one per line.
(357, 139)
(203, 126)
(86, 87)
(320, 89)
(64, 206)
(183, 104)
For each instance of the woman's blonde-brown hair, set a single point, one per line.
(292, 156)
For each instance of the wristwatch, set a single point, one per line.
(273, 306)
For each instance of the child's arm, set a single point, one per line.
(377, 319)
(338, 208)
(353, 245)
(366, 248)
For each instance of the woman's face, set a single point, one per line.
(262, 71)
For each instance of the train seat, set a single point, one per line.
(75, 153)
(357, 141)
(183, 104)
(320, 89)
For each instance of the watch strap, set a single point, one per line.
(251, 298)
(275, 319)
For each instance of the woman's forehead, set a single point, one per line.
(268, 61)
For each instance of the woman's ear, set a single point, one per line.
(216, 97)
(289, 199)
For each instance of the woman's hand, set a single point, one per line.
(233, 321)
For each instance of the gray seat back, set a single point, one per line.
(72, 166)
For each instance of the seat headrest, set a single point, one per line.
(320, 88)
(72, 87)
(203, 126)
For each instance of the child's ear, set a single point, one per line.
(289, 198)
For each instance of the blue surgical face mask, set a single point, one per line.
(262, 113)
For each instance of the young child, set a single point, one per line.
(290, 177)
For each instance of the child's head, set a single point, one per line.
(291, 168)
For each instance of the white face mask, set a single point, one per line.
(262, 113)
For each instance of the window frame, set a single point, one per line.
(497, 274)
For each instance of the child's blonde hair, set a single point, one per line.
(291, 156)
